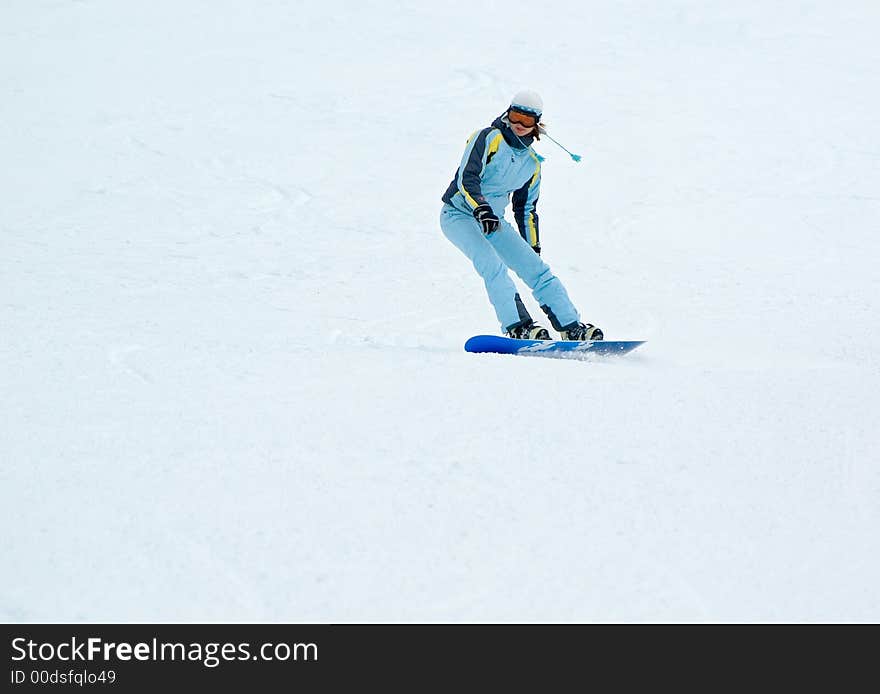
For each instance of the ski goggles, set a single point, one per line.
(527, 120)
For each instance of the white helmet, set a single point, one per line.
(528, 101)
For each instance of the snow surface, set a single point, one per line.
(233, 380)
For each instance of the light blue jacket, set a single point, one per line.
(498, 167)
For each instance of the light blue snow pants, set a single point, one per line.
(492, 256)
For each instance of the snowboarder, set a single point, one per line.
(499, 161)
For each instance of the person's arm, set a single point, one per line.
(525, 201)
(481, 146)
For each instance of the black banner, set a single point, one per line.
(247, 657)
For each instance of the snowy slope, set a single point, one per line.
(231, 356)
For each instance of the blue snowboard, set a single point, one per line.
(560, 349)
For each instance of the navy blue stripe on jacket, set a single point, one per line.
(526, 223)
(467, 178)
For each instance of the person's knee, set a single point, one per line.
(489, 268)
(536, 273)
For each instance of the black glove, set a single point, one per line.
(537, 249)
(487, 219)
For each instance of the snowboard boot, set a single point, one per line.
(528, 330)
(581, 332)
